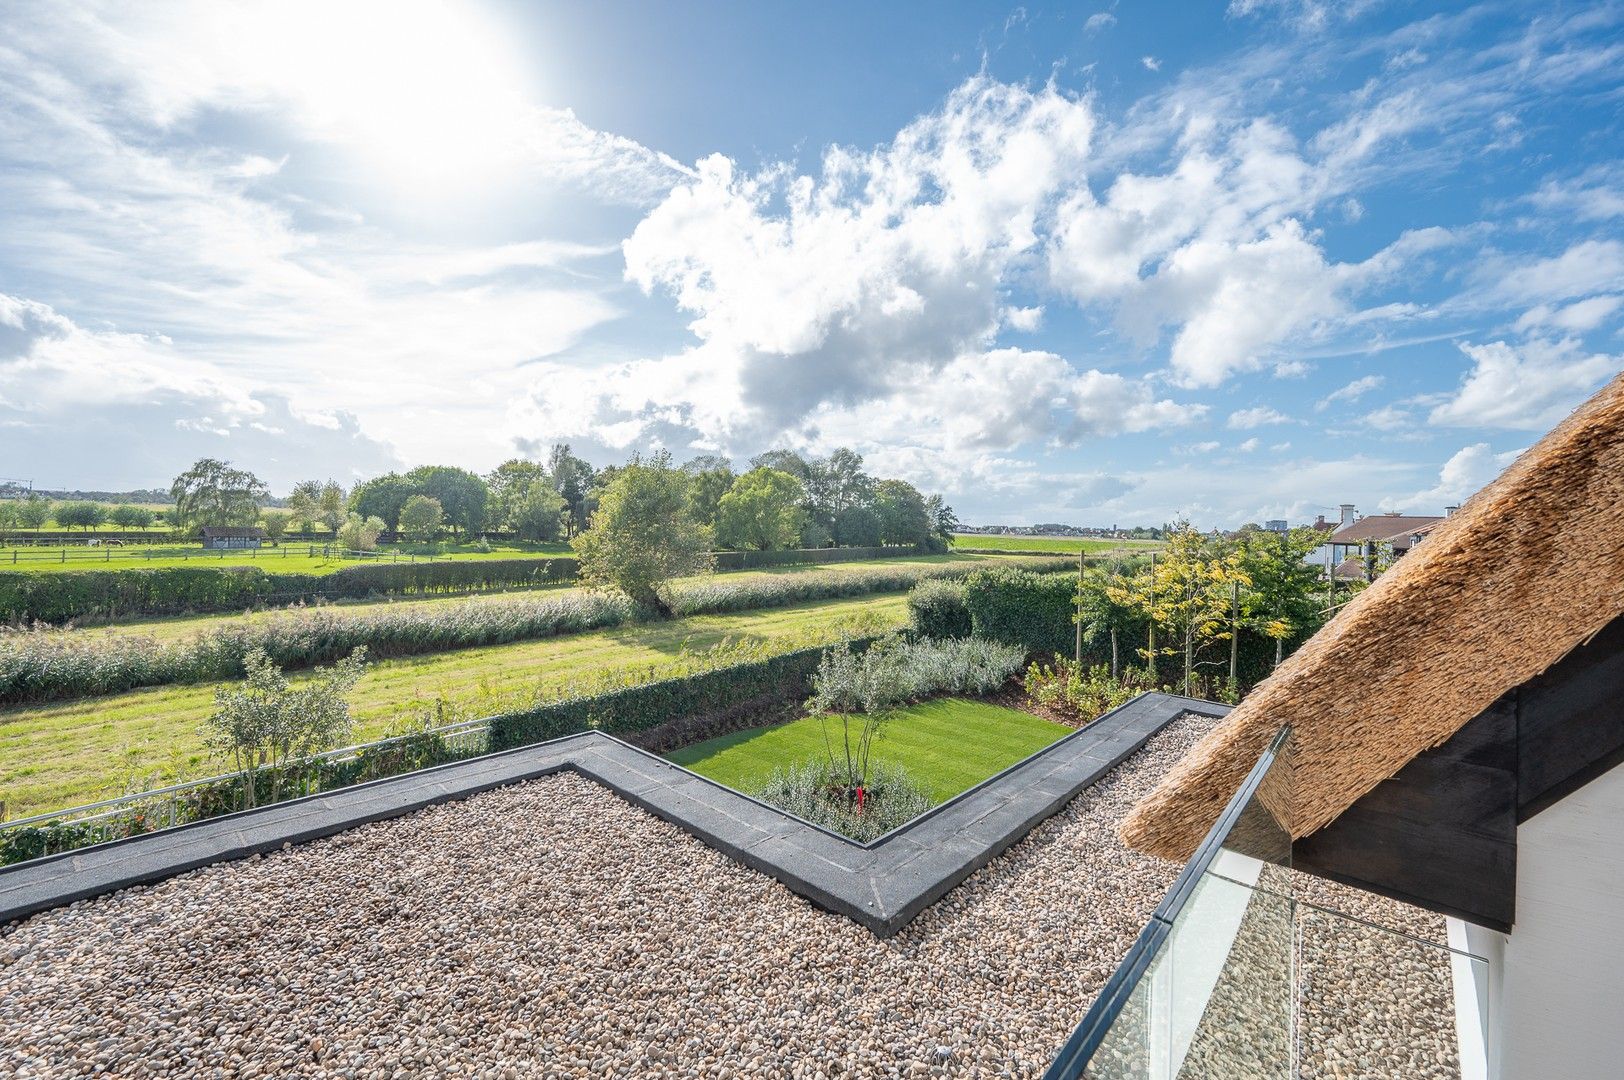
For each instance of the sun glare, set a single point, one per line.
(429, 95)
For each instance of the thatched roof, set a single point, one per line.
(1530, 567)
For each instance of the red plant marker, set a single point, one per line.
(859, 800)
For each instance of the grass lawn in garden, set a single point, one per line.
(70, 753)
(947, 745)
(1052, 545)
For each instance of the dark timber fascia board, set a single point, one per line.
(881, 885)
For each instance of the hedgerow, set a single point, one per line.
(42, 664)
(27, 597)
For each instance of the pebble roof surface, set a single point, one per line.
(550, 928)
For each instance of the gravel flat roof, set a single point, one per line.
(552, 928)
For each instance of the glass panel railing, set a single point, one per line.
(1377, 1002)
(1237, 975)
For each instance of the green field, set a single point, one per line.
(289, 558)
(1053, 545)
(175, 627)
(72, 753)
(947, 746)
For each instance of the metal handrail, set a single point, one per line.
(1090, 1033)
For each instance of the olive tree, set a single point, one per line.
(263, 723)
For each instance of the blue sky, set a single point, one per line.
(1080, 263)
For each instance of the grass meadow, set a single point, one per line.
(947, 745)
(71, 753)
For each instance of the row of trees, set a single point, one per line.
(36, 511)
(1191, 600)
(786, 500)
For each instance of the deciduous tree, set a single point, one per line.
(642, 534)
(213, 493)
(762, 510)
(420, 518)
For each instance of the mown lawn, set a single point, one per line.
(947, 746)
(1053, 545)
(67, 754)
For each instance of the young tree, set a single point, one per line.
(9, 515)
(213, 493)
(642, 534)
(420, 518)
(903, 517)
(330, 505)
(130, 517)
(1101, 611)
(33, 512)
(762, 510)
(381, 497)
(360, 534)
(1285, 598)
(263, 723)
(859, 693)
(1187, 596)
(538, 514)
(461, 495)
(275, 524)
(80, 515)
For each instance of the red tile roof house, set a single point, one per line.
(1401, 856)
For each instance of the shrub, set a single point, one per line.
(1085, 692)
(1020, 607)
(814, 792)
(936, 609)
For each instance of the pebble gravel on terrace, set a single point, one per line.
(551, 929)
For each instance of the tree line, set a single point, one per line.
(782, 499)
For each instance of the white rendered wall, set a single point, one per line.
(1561, 987)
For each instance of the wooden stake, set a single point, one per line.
(1234, 627)
(1077, 648)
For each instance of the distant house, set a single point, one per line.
(222, 537)
(1353, 539)
(1278, 525)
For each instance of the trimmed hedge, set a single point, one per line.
(634, 709)
(937, 609)
(1019, 607)
(27, 597)
(750, 560)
